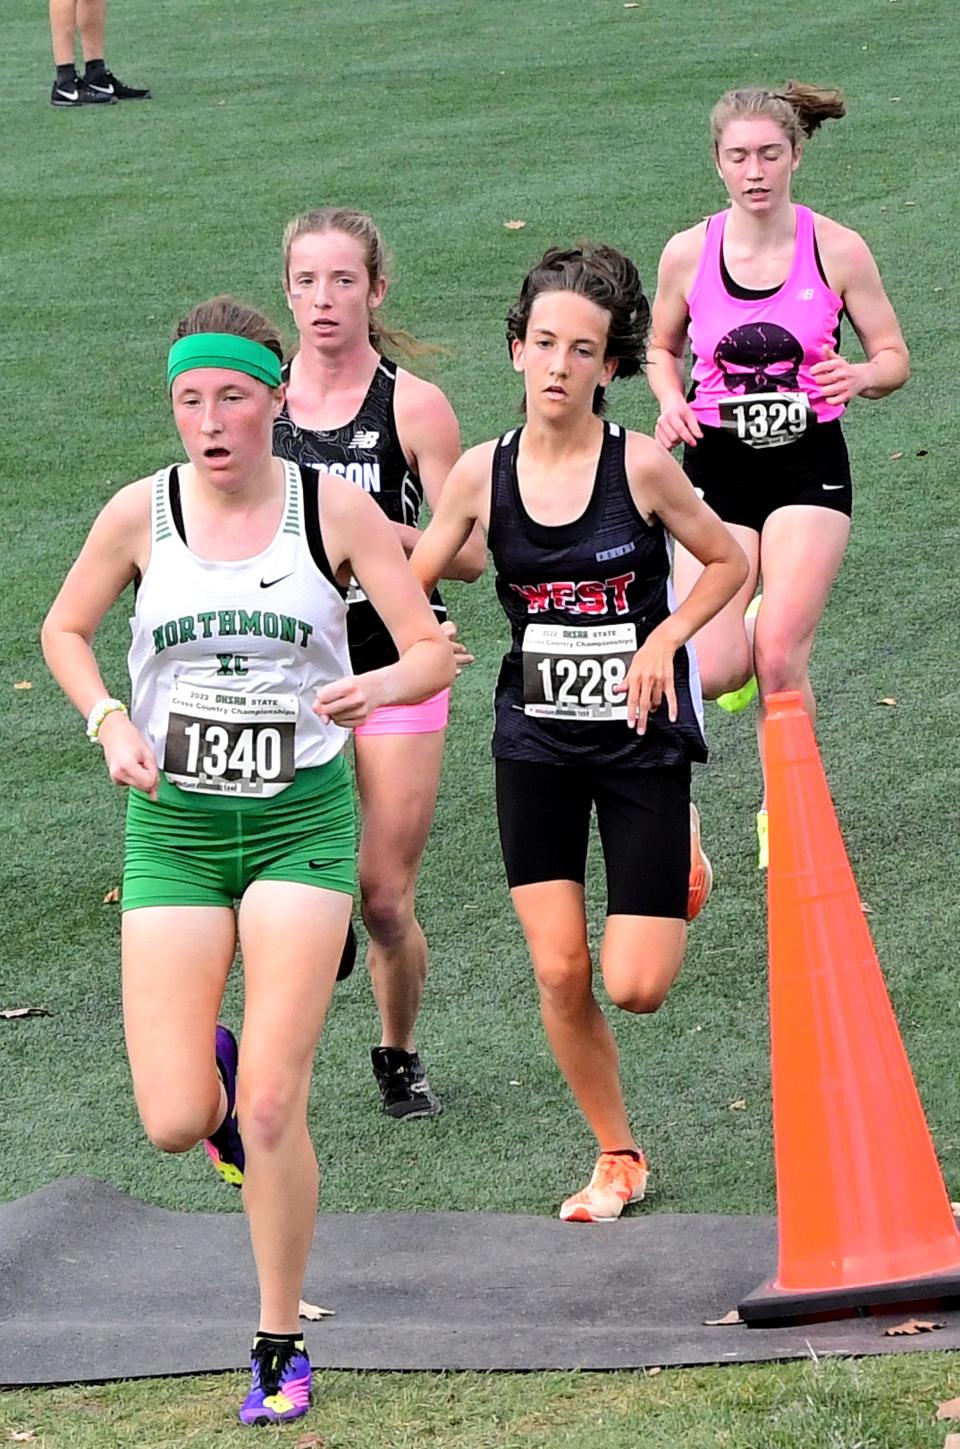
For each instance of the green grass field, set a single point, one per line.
(446, 121)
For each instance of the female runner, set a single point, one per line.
(352, 412)
(759, 291)
(241, 693)
(598, 700)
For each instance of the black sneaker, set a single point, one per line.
(403, 1084)
(78, 93)
(107, 87)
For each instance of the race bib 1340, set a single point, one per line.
(220, 743)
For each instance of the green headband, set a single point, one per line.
(223, 349)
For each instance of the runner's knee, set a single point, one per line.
(264, 1113)
(387, 912)
(640, 997)
(174, 1128)
(563, 977)
(725, 671)
(781, 661)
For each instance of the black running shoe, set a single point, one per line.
(107, 87)
(78, 93)
(348, 957)
(403, 1084)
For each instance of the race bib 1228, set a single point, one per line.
(571, 673)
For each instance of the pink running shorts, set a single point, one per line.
(409, 719)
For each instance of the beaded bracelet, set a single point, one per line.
(99, 713)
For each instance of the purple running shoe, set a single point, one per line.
(281, 1382)
(224, 1148)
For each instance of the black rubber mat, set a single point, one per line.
(95, 1285)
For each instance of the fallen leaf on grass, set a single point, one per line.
(310, 1441)
(23, 684)
(909, 203)
(312, 1313)
(632, 5)
(728, 1318)
(22, 1436)
(911, 1326)
(949, 1409)
(9, 1012)
(112, 897)
(955, 1209)
(514, 1082)
(514, 225)
(952, 1441)
(896, 98)
(896, 455)
(888, 700)
(739, 1105)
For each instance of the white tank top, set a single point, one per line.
(227, 656)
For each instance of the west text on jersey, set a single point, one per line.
(590, 596)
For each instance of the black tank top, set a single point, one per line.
(581, 598)
(366, 451)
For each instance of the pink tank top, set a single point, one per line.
(752, 356)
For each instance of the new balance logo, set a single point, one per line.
(364, 440)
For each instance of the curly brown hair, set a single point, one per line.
(605, 277)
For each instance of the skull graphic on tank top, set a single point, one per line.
(760, 357)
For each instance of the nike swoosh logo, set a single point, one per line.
(101, 90)
(318, 864)
(69, 95)
(269, 583)
(831, 487)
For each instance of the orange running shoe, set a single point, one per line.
(701, 871)
(617, 1180)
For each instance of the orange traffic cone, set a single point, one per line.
(864, 1216)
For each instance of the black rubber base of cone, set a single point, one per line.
(771, 1307)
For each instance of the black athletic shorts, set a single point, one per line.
(745, 485)
(644, 821)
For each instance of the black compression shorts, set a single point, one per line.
(745, 485)
(644, 821)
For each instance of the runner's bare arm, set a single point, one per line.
(115, 553)
(661, 488)
(848, 260)
(430, 437)
(677, 422)
(112, 556)
(361, 541)
(462, 509)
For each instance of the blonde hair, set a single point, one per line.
(798, 109)
(356, 224)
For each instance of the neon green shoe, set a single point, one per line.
(763, 839)
(737, 699)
